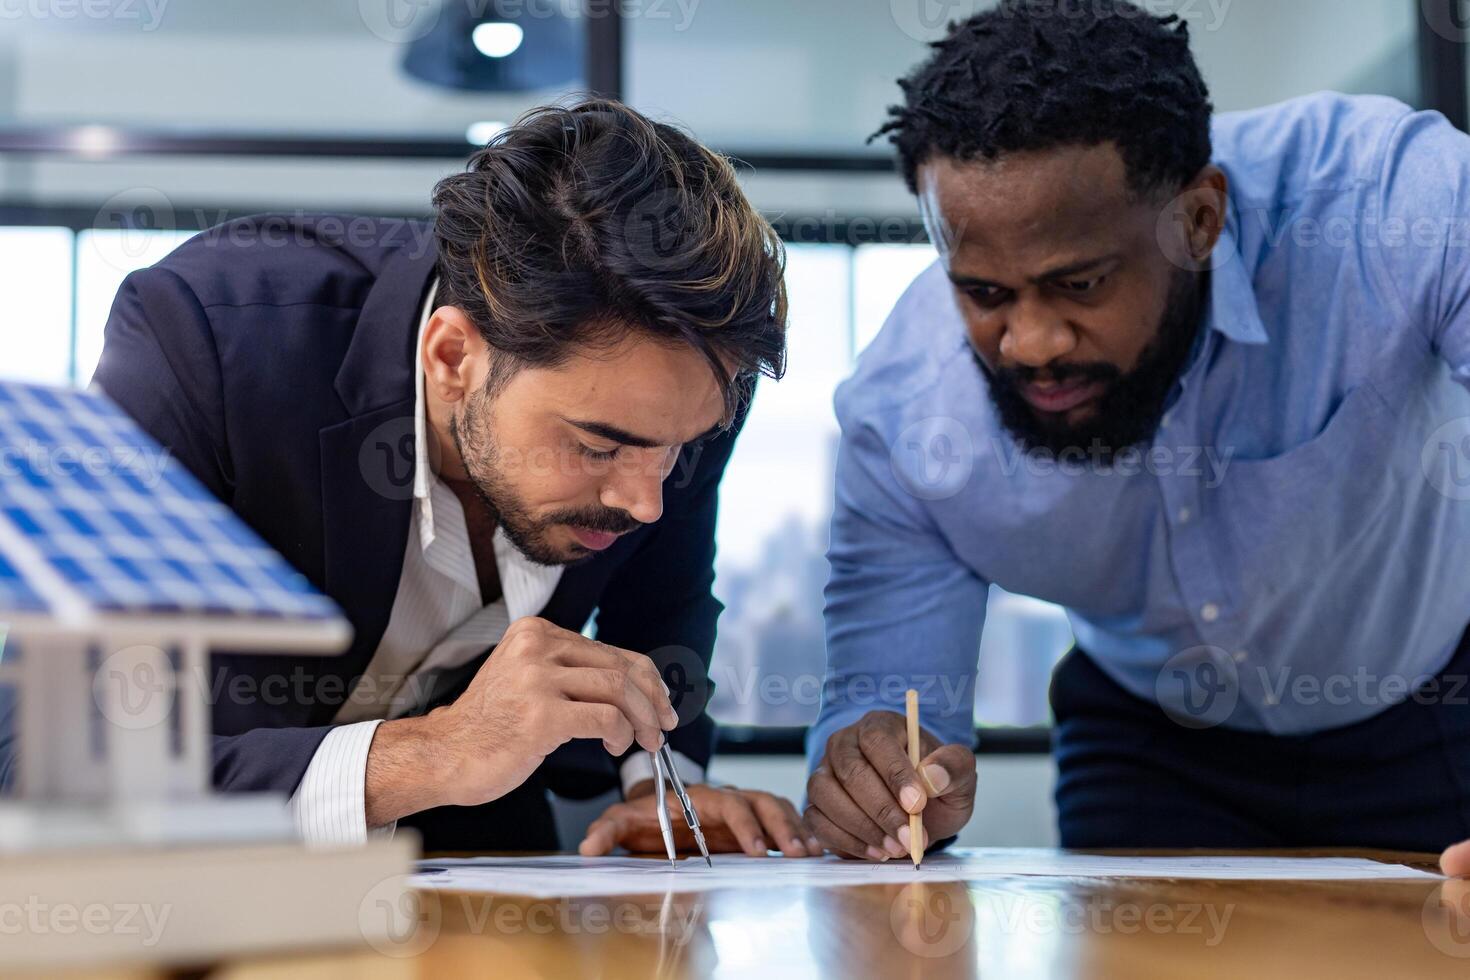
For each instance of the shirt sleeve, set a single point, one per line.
(1423, 232)
(638, 767)
(901, 610)
(330, 806)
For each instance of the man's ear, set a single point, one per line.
(1190, 225)
(453, 354)
(1209, 203)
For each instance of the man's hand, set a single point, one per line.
(540, 688)
(732, 820)
(862, 792)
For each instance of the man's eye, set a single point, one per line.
(1082, 285)
(986, 295)
(601, 455)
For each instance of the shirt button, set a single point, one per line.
(1209, 612)
(1184, 515)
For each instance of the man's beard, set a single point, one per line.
(484, 467)
(1129, 410)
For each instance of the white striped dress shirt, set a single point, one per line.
(438, 621)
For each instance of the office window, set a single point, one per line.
(56, 289)
(775, 503)
(881, 273)
(36, 304)
(1024, 638)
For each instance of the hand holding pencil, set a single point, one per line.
(868, 784)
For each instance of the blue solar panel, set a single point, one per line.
(125, 524)
(15, 593)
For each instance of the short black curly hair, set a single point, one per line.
(1038, 74)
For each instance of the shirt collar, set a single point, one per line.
(525, 585)
(1233, 310)
(423, 475)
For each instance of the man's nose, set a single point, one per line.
(1035, 336)
(639, 491)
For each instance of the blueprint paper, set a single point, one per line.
(574, 876)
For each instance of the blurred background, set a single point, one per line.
(126, 125)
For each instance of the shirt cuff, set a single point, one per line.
(330, 805)
(639, 766)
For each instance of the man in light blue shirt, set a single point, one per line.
(1203, 383)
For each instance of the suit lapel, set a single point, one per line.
(366, 521)
(367, 464)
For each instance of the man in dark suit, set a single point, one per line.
(475, 436)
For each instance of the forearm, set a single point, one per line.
(893, 626)
(406, 770)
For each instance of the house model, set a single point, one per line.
(119, 572)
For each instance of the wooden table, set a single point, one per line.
(1007, 928)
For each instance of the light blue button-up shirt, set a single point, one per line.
(1292, 551)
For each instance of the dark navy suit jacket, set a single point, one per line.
(274, 357)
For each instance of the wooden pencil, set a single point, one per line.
(916, 822)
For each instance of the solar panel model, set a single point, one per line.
(119, 572)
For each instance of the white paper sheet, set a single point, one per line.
(573, 876)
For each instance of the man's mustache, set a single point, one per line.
(608, 519)
(1020, 375)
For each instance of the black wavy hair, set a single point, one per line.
(1038, 74)
(582, 222)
